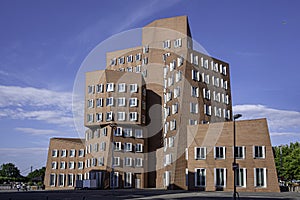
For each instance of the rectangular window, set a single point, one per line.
(127, 132)
(259, 151)
(170, 81)
(129, 69)
(121, 60)
(70, 182)
(200, 177)
(195, 75)
(133, 102)
(167, 159)
(179, 61)
(114, 182)
(133, 116)
(71, 165)
(129, 58)
(176, 92)
(118, 131)
(110, 87)
(218, 112)
(121, 116)
(175, 108)
(110, 101)
(127, 179)
(138, 162)
(103, 131)
(90, 103)
(139, 148)
(99, 117)
(166, 44)
(72, 153)
(128, 161)
(206, 79)
(172, 125)
(62, 165)
(194, 108)
(138, 57)
(91, 89)
(205, 64)
(81, 152)
(241, 177)
(240, 152)
(80, 165)
(118, 146)
(167, 178)
(207, 109)
(194, 91)
(127, 146)
(54, 153)
(63, 153)
(54, 165)
(260, 177)
(133, 88)
(146, 49)
(178, 76)
(200, 153)
(102, 146)
(121, 102)
(116, 161)
(177, 43)
(52, 180)
(206, 93)
(138, 133)
(99, 88)
(220, 177)
(101, 161)
(61, 180)
(121, 87)
(99, 102)
(171, 141)
(109, 116)
(145, 61)
(113, 61)
(193, 122)
(219, 152)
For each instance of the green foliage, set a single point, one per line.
(287, 160)
(9, 170)
(37, 174)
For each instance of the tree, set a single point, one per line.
(37, 175)
(9, 170)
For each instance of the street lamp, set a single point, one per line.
(234, 164)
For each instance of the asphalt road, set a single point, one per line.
(139, 195)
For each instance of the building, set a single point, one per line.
(140, 111)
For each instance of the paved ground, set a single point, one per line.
(138, 195)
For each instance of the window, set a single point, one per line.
(127, 132)
(220, 177)
(129, 69)
(225, 86)
(205, 64)
(206, 78)
(259, 151)
(171, 141)
(121, 116)
(80, 165)
(99, 117)
(118, 131)
(101, 161)
(133, 116)
(223, 70)
(121, 60)
(71, 165)
(99, 102)
(218, 112)
(110, 87)
(90, 103)
(146, 49)
(63, 153)
(133, 88)
(176, 92)
(215, 81)
(170, 81)
(194, 108)
(110, 101)
(219, 152)
(130, 58)
(81, 152)
(91, 89)
(200, 177)
(138, 68)
(138, 133)
(177, 43)
(121, 87)
(175, 108)
(260, 177)
(240, 177)
(207, 109)
(240, 152)
(206, 93)
(195, 75)
(138, 162)
(127, 146)
(70, 180)
(61, 180)
(168, 96)
(139, 147)
(145, 61)
(200, 153)
(118, 146)
(127, 179)
(116, 161)
(109, 116)
(54, 165)
(62, 165)
(217, 96)
(133, 102)
(127, 161)
(193, 122)
(113, 61)
(99, 88)
(79, 177)
(166, 44)
(54, 153)
(72, 153)
(114, 183)
(167, 159)
(121, 102)
(226, 113)
(102, 146)
(138, 57)
(52, 180)
(167, 178)
(194, 91)
(103, 131)
(96, 147)
(172, 125)
(178, 76)
(179, 61)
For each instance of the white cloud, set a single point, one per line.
(281, 122)
(34, 131)
(36, 104)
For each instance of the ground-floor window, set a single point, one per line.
(127, 179)
(61, 180)
(220, 177)
(114, 180)
(200, 177)
(70, 180)
(240, 177)
(167, 178)
(260, 177)
(52, 179)
(79, 177)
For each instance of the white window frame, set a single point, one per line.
(199, 176)
(116, 161)
(99, 117)
(139, 162)
(133, 116)
(121, 116)
(52, 181)
(99, 88)
(110, 87)
(127, 132)
(128, 161)
(109, 116)
(63, 153)
(261, 152)
(138, 133)
(110, 101)
(127, 146)
(224, 177)
(240, 152)
(118, 131)
(121, 102)
(81, 153)
(99, 102)
(133, 88)
(54, 165)
(217, 150)
(80, 165)
(262, 171)
(63, 180)
(133, 102)
(121, 87)
(139, 148)
(202, 153)
(72, 152)
(241, 178)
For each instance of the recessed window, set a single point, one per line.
(166, 44)
(200, 153)
(240, 152)
(118, 146)
(138, 162)
(176, 92)
(175, 108)
(220, 177)
(54, 165)
(219, 152)
(99, 117)
(116, 161)
(61, 180)
(200, 177)
(178, 76)
(127, 146)
(259, 151)
(133, 102)
(118, 131)
(138, 69)
(129, 58)
(138, 133)
(81, 152)
(260, 177)
(90, 118)
(139, 148)
(71, 165)
(121, 102)
(110, 87)
(195, 75)
(102, 146)
(80, 165)
(121, 87)
(121, 116)
(127, 132)
(52, 180)
(206, 93)
(207, 109)
(99, 88)
(113, 61)
(72, 153)
(194, 91)
(177, 43)
(101, 161)
(133, 116)
(173, 124)
(138, 57)
(99, 102)
(127, 161)
(194, 108)
(90, 103)
(62, 165)
(133, 88)
(110, 101)
(109, 116)
(121, 60)
(240, 177)
(91, 89)
(63, 153)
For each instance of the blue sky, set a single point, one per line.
(43, 44)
